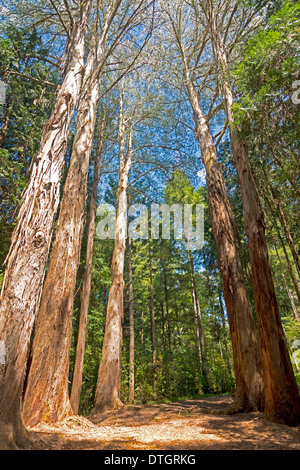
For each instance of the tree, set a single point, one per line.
(31, 238)
(249, 391)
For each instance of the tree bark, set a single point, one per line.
(152, 313)
(31, 240)
(281, 392)
(131, 326)
(249, 384)
(86, 285)
(108, 388)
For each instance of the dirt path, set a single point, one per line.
(171, 426)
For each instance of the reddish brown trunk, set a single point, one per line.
(31, 239)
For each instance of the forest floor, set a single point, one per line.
(181, 425)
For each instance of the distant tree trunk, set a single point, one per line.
(4, 128)
(289, 293)
(167, 311)
(281, 392)
(229, 365)
(290, 268)
(152, 313)
(86, 285)
(198, 321)
(249, 384)
(142, 321)
(47, 397)
(108, 388)
(131, 327)
(31, 240)
(163, 325)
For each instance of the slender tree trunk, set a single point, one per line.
(142, 322)
(152, 313)
(163, 325)
(289, 293)
(229, 365)
(289, 237)
(108, 388)
(281, 392)
(4, 128)
(47, 397)
(86, 285)
(290, 268)
(249, 384)
(167, 311)
(31, 239)
(131, 327)
(198, 322)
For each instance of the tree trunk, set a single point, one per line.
(131, 327)
(281, 392)
(229, 365)
(31, 239)
(289, 293)
(154, 353)
(290, 268)
(289, 238)
(4, 128)
(108, 388)
(86, 285)
(249, 384)
(167, 311)
(198, 322)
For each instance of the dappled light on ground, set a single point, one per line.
(171, 426)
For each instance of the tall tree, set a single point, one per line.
(281, 392)
(21, 289)
(249, 384)
(108, 389)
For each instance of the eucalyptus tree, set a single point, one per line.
(228, 23)
(31, 238)
(190, 46)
